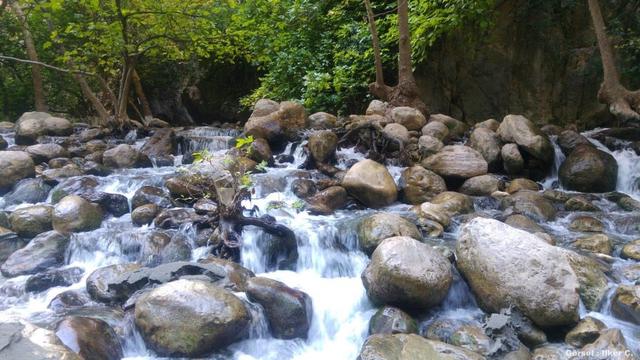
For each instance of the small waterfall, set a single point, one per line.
(552, 180)
(206, 138)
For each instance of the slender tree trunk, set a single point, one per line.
(123, 95)
(146, 108)
(32, 54)
(405, 93)
(623, 104)
(102, 112)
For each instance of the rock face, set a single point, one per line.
(43, 252)
(288, 310)
(190, 318)
(411, 347)
(456, 161)
(124, 156)
(519, 130)
(406, 273)
(370, 183)
(90, 338)
(588, 169)
(378, 227)
(14, 166)
(509, 267)
(31, 125)
(418, 185)
(75, 214)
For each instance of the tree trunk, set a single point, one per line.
(623, 104)
(146, 108)
(32, 54)
(405, 93)
(102, 112)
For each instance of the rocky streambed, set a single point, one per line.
(415, 238)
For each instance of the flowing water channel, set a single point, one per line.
(328, 267)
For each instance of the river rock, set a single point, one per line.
(396, 132)
(519, 130)
(598, 243)
(579, 203)
(411, 347)
(491, 124)
(522, 184)
(90, 338)
(631, 250)
(429, 145)
(14, 166)
(124, 156)
(585, 223)
(588, 169)
(31, 220)
(43, 252)
(322, 121)
(569, 140)
(29, 191)
(456, 128)
(410, 118)
(9, 243)
(81, 186)
(327, 201)
(98, 282)
(431, 212)
(189, 188)
(454, 203)
(483, 185)
(488, 144)
(75, 214)
(51, 278)
(370, 183)
(418, 185)
(456, 161)
(67, 300)
(32, 125)
(507, 267)
(274, 126)
(25, 341)
(437, 130)
(529, 203)
(190, 318)
(380, 226)
(260, 151)
(391, 320)
(288, 311)
(54, 176)
(144, 215)
(322, 145)
(626, 303)
(610, 345)
(523, 222)
(512, 160)
(161, 144)
(45, 152)
(406, 273)
(586, 332)
(150, 195)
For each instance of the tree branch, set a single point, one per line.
(71, 71)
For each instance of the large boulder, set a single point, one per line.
(519, 130)
(487, 143)
(124, 156)
(505, 267)
(190, 318)
(410, 118)
(45, 251)
(90, 338)
(327, 201)
(31, 221)
(588, 169)
(456, 128)
(275, 125)
(75, 214)
(406, 273)
(370, 183)
(99, 280)
(512, 160)
(411, 347)
(456, 162)
(322, 120)
(322, 145)
(152, 195)
(14, 166)
(378, 227)
(483, 185)
(288, 311)
(32, 125)
(418, 185)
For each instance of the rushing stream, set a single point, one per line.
(328, 267)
